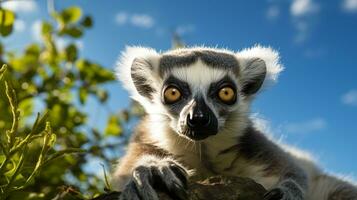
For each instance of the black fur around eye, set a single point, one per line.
(174, 90)
(224, 91)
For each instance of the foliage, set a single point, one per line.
(16, 175)
(59, 80)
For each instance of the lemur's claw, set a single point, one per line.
(130, 192)
(274, 194)
(163, 176)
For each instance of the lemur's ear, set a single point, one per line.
(135, 69)
(260, 66)
(252, 75)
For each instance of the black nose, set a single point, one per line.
(198, 119)
(201, 121)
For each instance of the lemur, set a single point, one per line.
(198, 125)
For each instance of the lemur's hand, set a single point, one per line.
(281, 194)
(274, 194)
(154, 174)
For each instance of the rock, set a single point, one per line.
(215, 188)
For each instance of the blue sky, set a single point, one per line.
(314, 104)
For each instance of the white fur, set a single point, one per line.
(123, 69)
(199, 76)
(271, 58)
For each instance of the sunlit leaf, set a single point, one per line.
(46, 28)
(26, 107)
(2, 71)
(113, 126)
(33, 49)
(7, 19)
(71, 14)
(83, 94)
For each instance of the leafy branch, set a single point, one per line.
(15, 147)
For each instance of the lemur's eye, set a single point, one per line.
(172, 94)
(227, 95)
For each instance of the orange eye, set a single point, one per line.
(227, 95)
(172, 94)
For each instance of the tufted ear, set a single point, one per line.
(135, 69)
(252, 75)
(260, 66)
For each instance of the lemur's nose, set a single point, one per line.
(199, 116)
(201, 121)
(198, 119)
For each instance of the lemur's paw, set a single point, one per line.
(275, 194)
(163, 175)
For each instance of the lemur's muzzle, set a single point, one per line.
(201, 121)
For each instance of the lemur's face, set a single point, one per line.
(198, 90)
(198, 99)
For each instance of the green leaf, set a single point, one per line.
(7, 19)
(33, 49)
(2, 70)
(113, 127)
(46, 28)
(87, 22)
(71, 53)
(74, 32)
(71, 14)
(1, 49)
(83, 94)
(26, 107)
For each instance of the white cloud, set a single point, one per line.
(350, 5)
(142, 20)
(19, 25)
(121, 18)
(315, 52)
(302, 30)
(139, 20)
(184, 29)
(36, 30)
(302, 12)
(26, 6)
(303, 7)
(350, 98)
(273, 12)
(308, 126)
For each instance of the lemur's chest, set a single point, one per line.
(206, 161)
(209, 158)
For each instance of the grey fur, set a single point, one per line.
(255, 80)
(186, 58)
(140, 82)
(344, 192)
